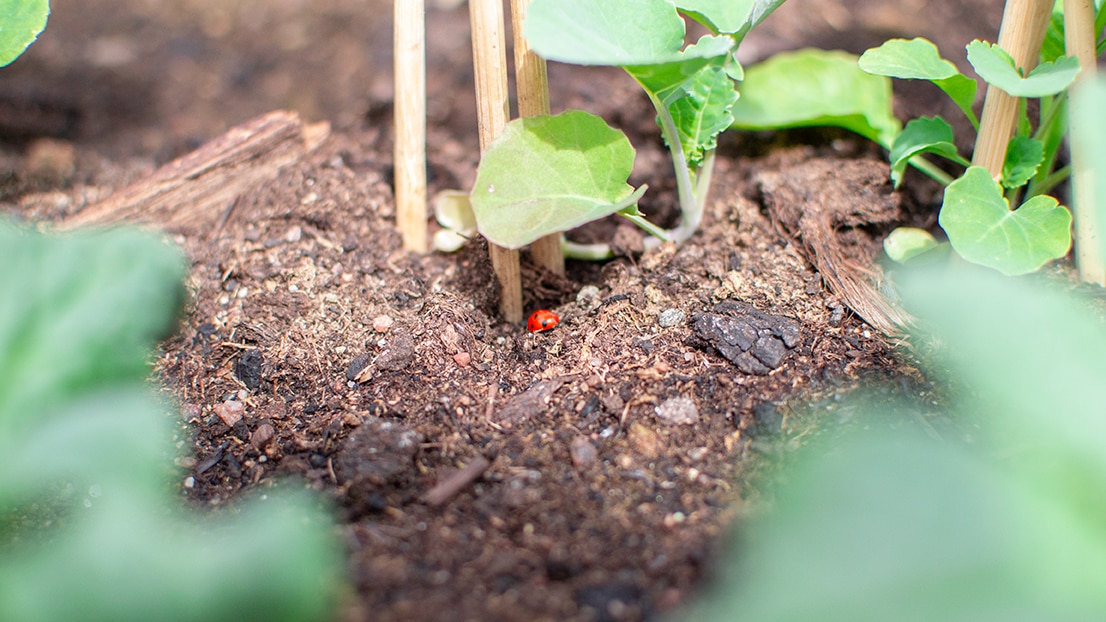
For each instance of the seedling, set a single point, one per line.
(548, 174)
(976, 212)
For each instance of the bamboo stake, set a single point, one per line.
(410, 123)
(1079, 41)
(489, 59)
(532, 87)
(1023, 30)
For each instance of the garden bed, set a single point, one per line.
(607, 458)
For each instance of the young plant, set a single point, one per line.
(548, 174)
(976, 213)
(89, 528)
(21, 21)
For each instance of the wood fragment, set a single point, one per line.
(489, 63)
(410, 123)
(196, 192)
(456, 482)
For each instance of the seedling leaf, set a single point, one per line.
(995, 66)
(585, 32)
(918, 59)
(726, 16)
(549, 174)
(983, 229)
(704, 112)
(78, 312)
(816, 88)
(922, 135)
(21, 21)
(1023, 156)
(906, 242)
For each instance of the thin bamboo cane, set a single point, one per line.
(1023, 29)
(532, 87)
(410, 123)
(1079, 41)
(489, 58)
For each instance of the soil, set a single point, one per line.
(479, 471)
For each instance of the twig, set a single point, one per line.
(456, 482)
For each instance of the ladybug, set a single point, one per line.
(542, 320)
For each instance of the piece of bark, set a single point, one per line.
(196, 191)
(827, 205)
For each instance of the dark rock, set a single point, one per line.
(358, 363)
(767, 418)
(756, 341)
(248, 368)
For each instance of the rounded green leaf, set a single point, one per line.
(586, 32)
(919, 59)
(922, 135)
(811, 88)
(994, 65)
(983, 229)
(550, 174)
(906, 242)
(20, 23)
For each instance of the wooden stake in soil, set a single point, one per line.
(1023, 30)
(1079, 41)
(532, 88)
(410, 123)
(489, 60)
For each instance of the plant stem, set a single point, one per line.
(489, 59)
(532, 88)
(691, 212)
(1023, 29)
(410, 123)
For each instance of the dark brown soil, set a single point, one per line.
(620, 446)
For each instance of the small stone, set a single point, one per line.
(462, 358)
(670, 317)
(588, 296)
(230, 412)
(295, 234)
(398, 354)
(382, 323)
(263, 436)
(645, 440)
(248, 368)
(583, 452)
(678, 411)
(190, 482)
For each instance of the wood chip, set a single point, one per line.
(456, 482)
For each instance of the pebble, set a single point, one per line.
(382, 323)
(670, 317)
(263, 436)
(230, 412)
(678, 411)
(583, 452)
(462, 358)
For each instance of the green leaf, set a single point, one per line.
(918, 59)
(922, 135)
(550, 174)
(704, 112)
(983, 229)
(816, 88)
(78, 312)
(994, 65)
(646, 38)
(21, 21)
(585, 32)
(1023, 156)
(725, 16)
(903, 243)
